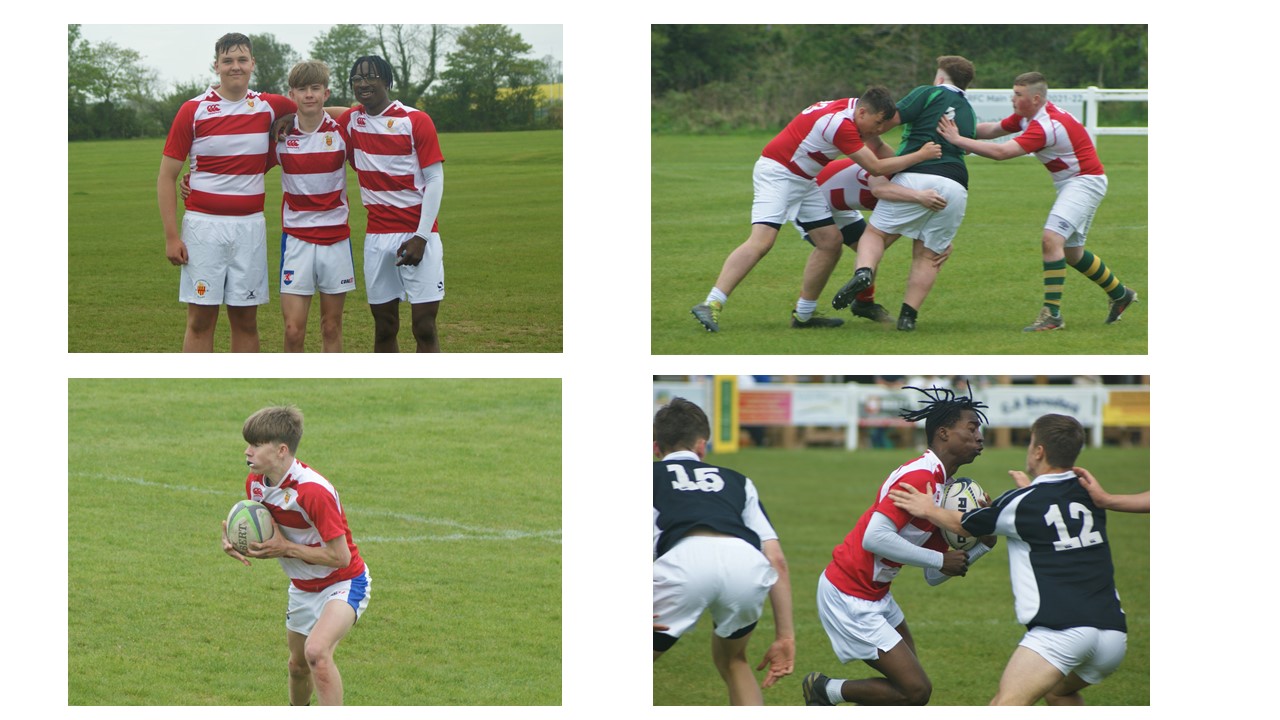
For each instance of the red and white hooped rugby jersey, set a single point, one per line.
(819, 134)
(1058, 140)
(388, 152)
(307, 510)
(313, 172)
(859, 573)
(846, 186)
(227, 142)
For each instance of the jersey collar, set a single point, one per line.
(683, 455)
(1055, 477)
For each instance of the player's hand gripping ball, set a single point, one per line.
(248, 522)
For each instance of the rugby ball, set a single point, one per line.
(964, 495)
(248, 522)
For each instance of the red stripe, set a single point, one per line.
(233, 124)
(355, 569)
(382, 144)
(314, 203)
(232, 164)
(312, 163)
(837, 200)
(384, 182)
(216, 204)
(327, 235)
(388, 219)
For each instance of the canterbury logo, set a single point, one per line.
(293, 143)
(213, 109)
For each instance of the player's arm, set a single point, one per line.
(876, 165)
(1139, 503)
(167, 197)
(996, 151)
(333, 553)
(883, 189)
(780, 658)
(412, 250)
(882, 539)
(921, 505)
(990, 131)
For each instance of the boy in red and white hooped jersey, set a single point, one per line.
(1063, 145)
(397, 158)
(329, 583)
(222, 242)
(315, 246)
(784, 188)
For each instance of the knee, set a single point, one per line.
(424, 329)
(331, 327)
(294, 333)
(298, 667)
(317, 657)
(385, 327)
(917, 693)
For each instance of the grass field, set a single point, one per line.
(452, 493)
(964, 629)
(988, 291)
(500, 219)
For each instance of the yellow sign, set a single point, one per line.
(724, 416)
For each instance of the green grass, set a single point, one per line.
(964, 629)
(988, 291)
(500, 219)
(452, 491)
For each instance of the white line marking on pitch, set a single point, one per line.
(463, 532)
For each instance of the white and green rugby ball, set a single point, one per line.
(248, 522)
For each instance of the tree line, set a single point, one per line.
(469, 78)
(715, 78)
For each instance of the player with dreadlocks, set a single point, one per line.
(855, 605)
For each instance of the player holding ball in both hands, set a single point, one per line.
(855, 604)
(329, 583)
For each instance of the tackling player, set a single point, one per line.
(855, 604)
(714, 549)
(1063, 579)
(222, 242)
(784, 188)
(397, 159)
(1060, 142)
(849, 189)
(329, 583)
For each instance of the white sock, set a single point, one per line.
(833, 691)
(717, 295)
(805, 308)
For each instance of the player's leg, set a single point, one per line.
(871, 247)
(1026, 678)
(386, 326)
(295, 309)
(920, 280)
(335, 620)
(300, 684)
(1067, 692)
(744, 257)
(1093, 267)
(423, 317)
(730, 657)
(202, 320)
(828, 244)
(331, 320)
(243, 320)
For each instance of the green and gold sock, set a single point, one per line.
(1092, 267)
(1055, 274)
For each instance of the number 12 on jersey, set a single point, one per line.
(706, 479)
(1087, 536)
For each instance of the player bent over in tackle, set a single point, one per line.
(329, 583)
(1064, 587)
(1063, 145)
(714, 549)
(855, 604)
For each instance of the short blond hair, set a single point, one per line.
(277, 424)
(309, 72)
(1034, 82)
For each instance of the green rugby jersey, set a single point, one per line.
(919, 112)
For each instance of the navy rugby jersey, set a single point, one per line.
(1059, 554)
(689, 493)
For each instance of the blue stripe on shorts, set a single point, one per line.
(359, 590)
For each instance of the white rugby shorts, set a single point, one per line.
(226, 260)
(781, 195)
(1091, 653)
(936, 229)
(724, 575)
(1077, 203)
(858, 629)
(306, 267)
(384, 281)
(305, 607)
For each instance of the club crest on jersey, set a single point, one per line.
(202, 288)
(390, 123)
(328, 140)
(287, 277)
(286, 497)
(250, 103)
